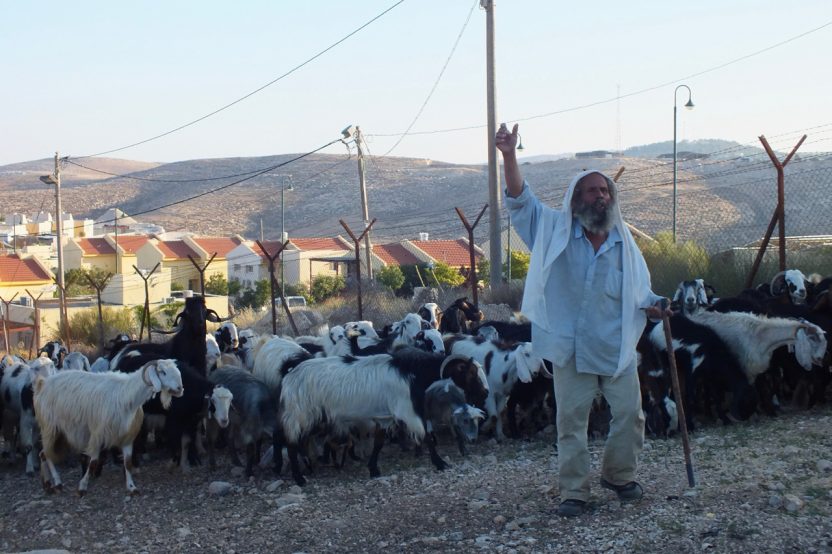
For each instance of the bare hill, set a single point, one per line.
(720, 202)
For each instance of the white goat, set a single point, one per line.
(753, 338)
(691, 295)
(212, 351)
(503, 367)
(76, 360)
(272, 357)
(364, 330)
(90, 411)
(791, 282)
(431, 313)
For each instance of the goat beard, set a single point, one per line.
(597, 218)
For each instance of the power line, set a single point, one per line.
(627, 95)
(252, 93)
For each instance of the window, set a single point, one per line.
(249, 269)
(236, 267)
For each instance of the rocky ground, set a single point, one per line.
(763, 486)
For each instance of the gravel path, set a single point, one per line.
(764, 486)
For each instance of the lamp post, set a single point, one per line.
(283, 189)
(689, 106)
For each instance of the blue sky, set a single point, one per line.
(90, 76)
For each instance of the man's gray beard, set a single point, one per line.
(595, 222)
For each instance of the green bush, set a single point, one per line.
(671, 263)
(84, 325)
(519, 264)
(446, 275)
(299, 289)
(391, 276)
(216, 284)
(255, 298)
(325, 286)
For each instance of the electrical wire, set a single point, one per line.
(252, 93)
(628, 95)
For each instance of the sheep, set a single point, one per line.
(445, 404)
(76, 360)
(458, 317)
(227, 337)
(691, 295)
(254, 415)
(431, 313)
(16, 380)
(504, 364)
(385, 390)
(87, 411)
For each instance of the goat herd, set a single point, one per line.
(320, 396)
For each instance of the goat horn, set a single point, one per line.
(449, 359)
(778, 284)
(144, 375)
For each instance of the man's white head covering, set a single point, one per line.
(554, 230)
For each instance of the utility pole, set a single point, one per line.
(494, 199)
(365, 212)
(145, 275)
(55, 179)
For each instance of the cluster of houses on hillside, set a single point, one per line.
(133, 251)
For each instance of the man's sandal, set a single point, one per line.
(572, 507)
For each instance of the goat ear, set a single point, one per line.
(703, 297)
(778, 284)
(678, 295)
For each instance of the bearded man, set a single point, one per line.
(587, 295)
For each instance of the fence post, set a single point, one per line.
(146, 315)
(272, 282)
(779, 216)
(357, 241)
(6, 304)
(201, 271)
(63, 309)
(36, 322)
(99, 286)
(471, 250)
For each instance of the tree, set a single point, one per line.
(83, 325)
(76, 280)
(256, 298)
(446, 275)
(234, 287)
(325, 286)
(519, 264)
(216, 284)
(671, 262)
(391, 276)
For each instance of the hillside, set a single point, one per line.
(720, 202)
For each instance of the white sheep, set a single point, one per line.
(273, 357)
(90, 411)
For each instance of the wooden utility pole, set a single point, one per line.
(272, 281)
(357, 241)
(146, 315)
(55, 179)
(365, 212)
(472, 274)
(64, 316)
(494, 198)
(201, 270)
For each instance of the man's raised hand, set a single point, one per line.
(506, 142)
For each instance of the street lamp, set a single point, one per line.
(689, 106)
(283, 189)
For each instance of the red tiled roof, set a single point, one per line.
(451, 252)
(96, 247)
(131, 243)
(176, 249)
(221, 245)
(271, 247)
(15, 270)
(319, 243)
(395, 254)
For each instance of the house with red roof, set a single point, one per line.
(303, 259)
(18, 273)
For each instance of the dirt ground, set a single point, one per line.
(763, 486)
